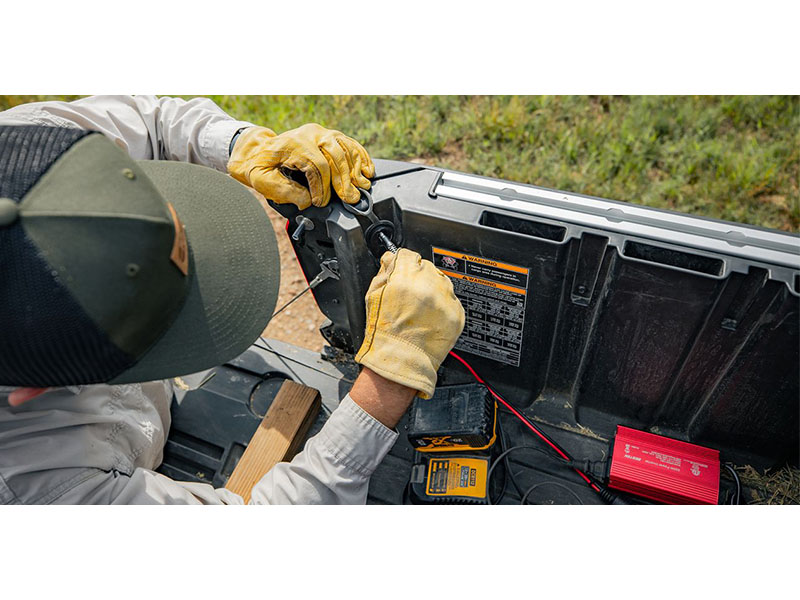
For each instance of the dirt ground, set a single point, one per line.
(298, 324)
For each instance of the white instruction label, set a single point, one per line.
(493, 296)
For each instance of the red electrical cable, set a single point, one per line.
(522, 418)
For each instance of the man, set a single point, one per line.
(102, 287)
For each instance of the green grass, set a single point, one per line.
(734, 158)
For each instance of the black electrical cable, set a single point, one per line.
(504, 454)
(594, 468)
(508, 472)
(738, 484)
(590, 480)
(569, 460)
(503, 445)
(555, 483)
(321, 404)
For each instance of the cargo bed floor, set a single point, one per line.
(212, 425)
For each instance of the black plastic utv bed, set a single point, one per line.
(596, 314)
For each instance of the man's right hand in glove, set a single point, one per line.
(413, 321)
(262, 160)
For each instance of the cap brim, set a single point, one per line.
(234, 269)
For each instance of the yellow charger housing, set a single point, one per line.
(450, 479)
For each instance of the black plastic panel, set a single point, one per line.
(212, 426)
(620, 328)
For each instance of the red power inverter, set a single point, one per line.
(663, 469)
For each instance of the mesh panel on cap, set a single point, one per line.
(47, 339)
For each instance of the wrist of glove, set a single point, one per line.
(413, 321)
(326, 158)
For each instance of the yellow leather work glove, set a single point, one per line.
(413, 321)
(325, 156)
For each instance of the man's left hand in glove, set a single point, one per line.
(326, 157)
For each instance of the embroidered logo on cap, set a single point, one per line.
(180, 250)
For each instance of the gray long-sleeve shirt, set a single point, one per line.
(99, 443)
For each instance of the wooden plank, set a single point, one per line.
(278, 438)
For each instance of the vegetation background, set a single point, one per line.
(728, 157)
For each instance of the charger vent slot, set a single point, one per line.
(527, 227)
(673, 258)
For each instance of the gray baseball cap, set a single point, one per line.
(119, 271)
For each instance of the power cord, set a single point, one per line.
(531, 489)
(738, 496)
(604, 493)
(508, 471)
(497, 461)
(267, 349)
(595, 468)
(591, 467)
(501, 439)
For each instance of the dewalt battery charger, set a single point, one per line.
(455, 418)
(449, 479)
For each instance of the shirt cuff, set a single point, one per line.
(215, 141)
(357, 438)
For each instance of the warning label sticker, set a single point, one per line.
(493, 295)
